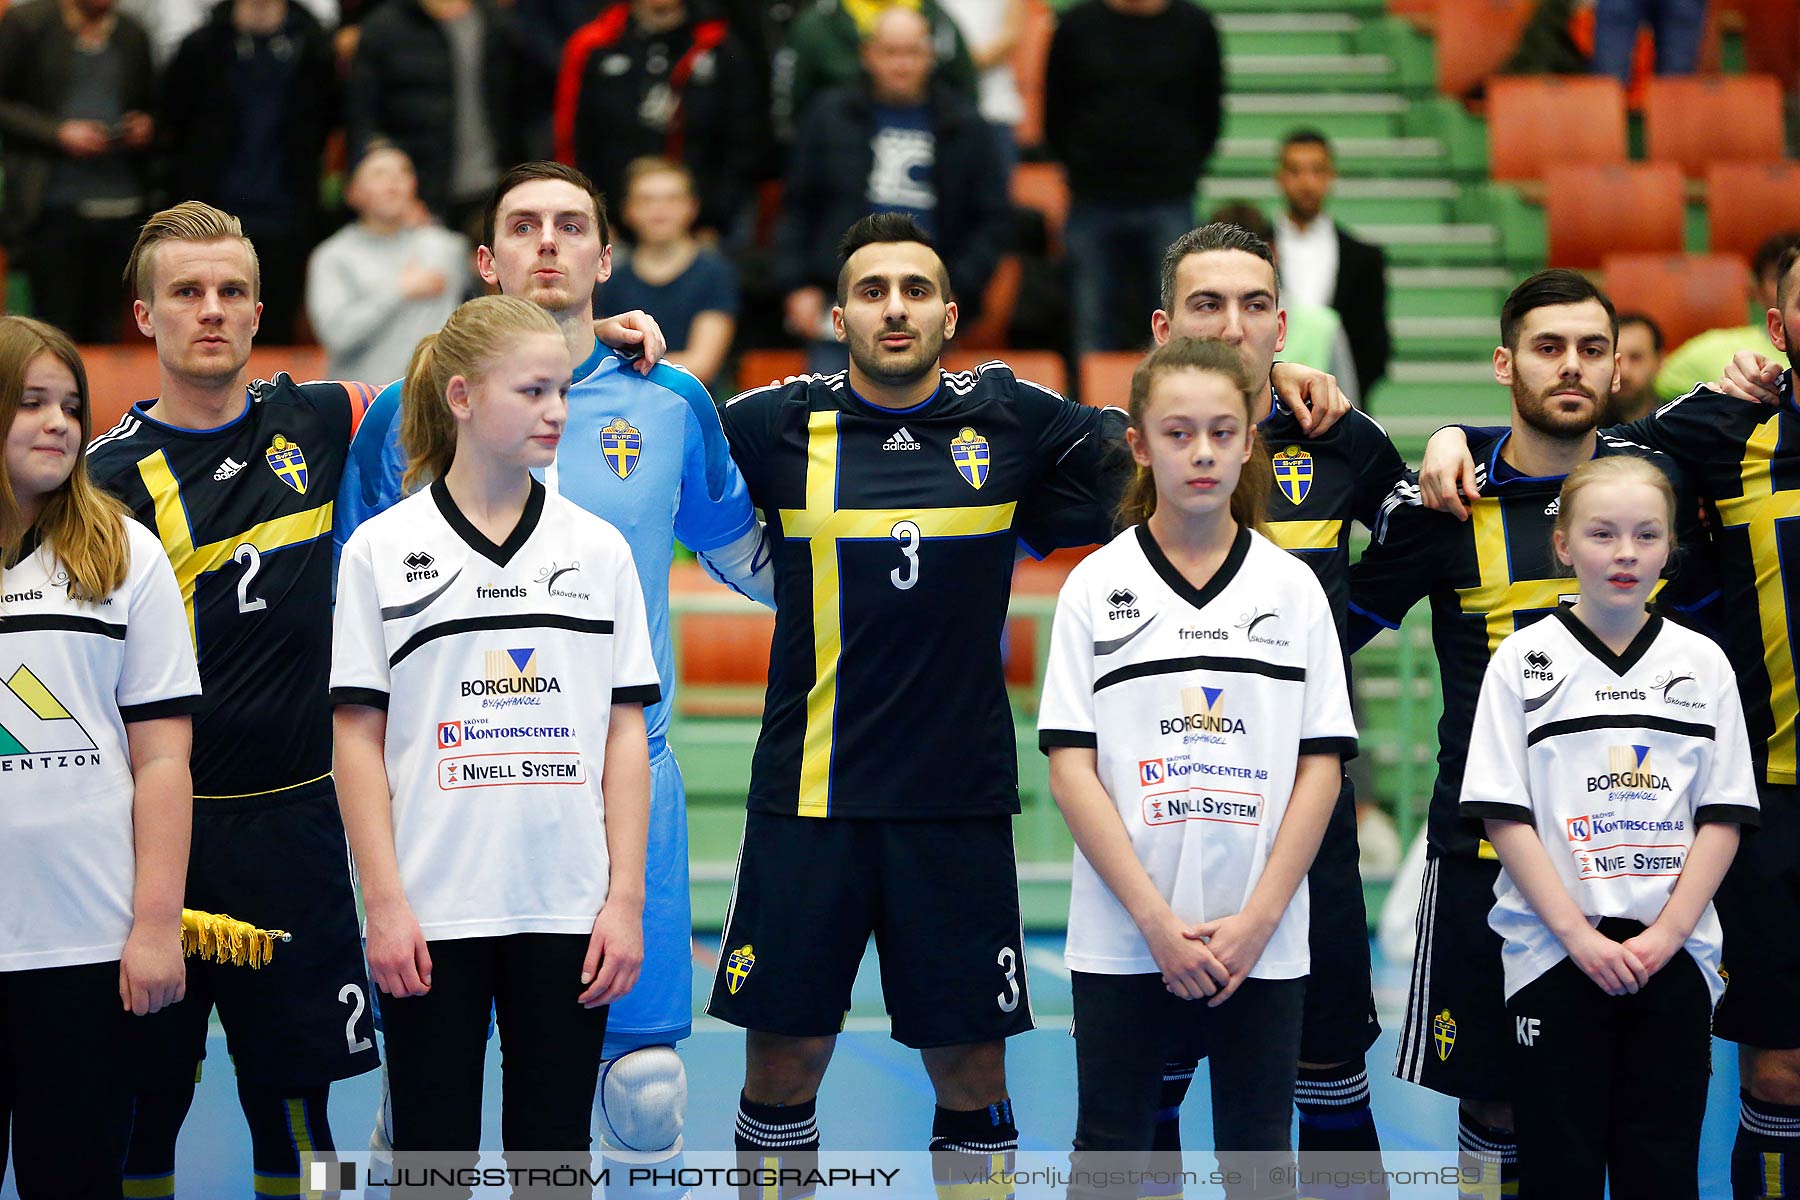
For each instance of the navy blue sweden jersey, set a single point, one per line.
(244, 513)
(895, 534)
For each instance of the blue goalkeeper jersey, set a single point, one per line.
(643, 452)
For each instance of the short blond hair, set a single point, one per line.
(189, 221)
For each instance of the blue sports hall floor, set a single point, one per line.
(214, 1154)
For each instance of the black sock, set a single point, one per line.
(1335, 1120)
(1163, 1180)
(286, 1127)
(1488, 1160)
(159, 1108)
(780, 1138)
(1767, 1134)
(973, 1152)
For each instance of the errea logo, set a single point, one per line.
(418, 566)
(1123, 602)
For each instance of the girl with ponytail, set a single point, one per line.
(490, 666)
(1196, 716)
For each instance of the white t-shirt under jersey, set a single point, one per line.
(498, 667)
(1199, 703)
(1614, 759)
(72, 676)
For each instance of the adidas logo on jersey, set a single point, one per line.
(1554, 507)
(901, 439)
(227, 469)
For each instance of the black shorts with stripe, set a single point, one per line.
(940, 897)
(1759, 909)
(1456, 1039)
(278, 861)
(1339, 1022)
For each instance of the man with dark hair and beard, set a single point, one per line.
(1744, 460)
(885, 777)
(1487, 577)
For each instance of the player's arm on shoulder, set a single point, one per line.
(1447, 479)
(1313, 396)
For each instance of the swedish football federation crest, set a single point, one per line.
(288, 461)
(621, 444)
(1293, 473)
(737, 967)
(969, 451)
(1443, 1033)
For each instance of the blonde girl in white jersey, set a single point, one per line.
(490, 750)
(1609, 762)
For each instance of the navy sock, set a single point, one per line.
(1335, 1120)
(974, 1151)
(1768, 1134)
(1488, 1159)
(778, 1138)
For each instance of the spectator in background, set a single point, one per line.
(899, 140)
(1315, 333)
(170, 21)
(1676, 27)
(1133, 97)
(762, 26)
(451, 83)
(826, 41)
(378, 285)
(253, 142)
(991, 28)
(76, 92)
(1322, 264)
(1701, 358)
(664, 78)
(1640, 358)
(689, 288)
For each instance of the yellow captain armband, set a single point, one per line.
(222, 939)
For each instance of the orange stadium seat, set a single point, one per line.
(1106, 377)
(1041, 186)
(1039, 366)
(1694, 120)
(1686, 293)
(1746, 202)
(1474, 40)
(1623, 209)
(1030, 56)
(760, 368)
(1537, 121)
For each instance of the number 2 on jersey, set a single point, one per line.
(252, 560)
(352, 995)
(908, 535)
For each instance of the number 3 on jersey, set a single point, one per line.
(907, 574)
